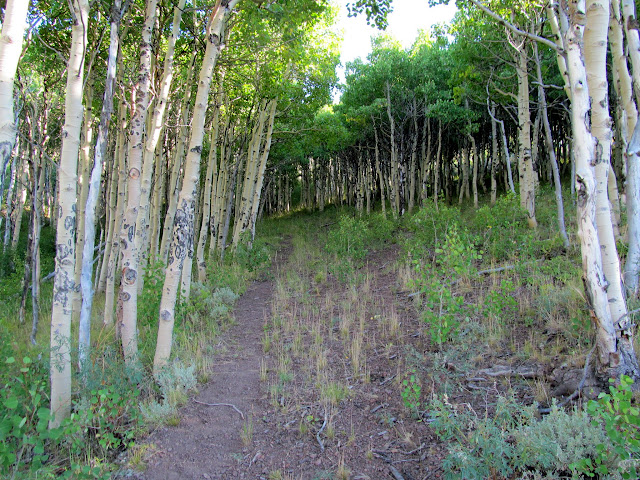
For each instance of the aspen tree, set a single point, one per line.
(595, 52)
(86, 139)
(66, 220)
(175, 178)
(210, 180)
(93, 190)
(127, 310)
(542, 101)
(11, 38)
(257, 189)
(156, 123)
(525, 162)
(114, 256)
(632, 265)
(183, 229)
(614, 347)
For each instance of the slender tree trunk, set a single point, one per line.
(615, 349)
(156, 122)
(13, 27)
(86, 283)
(525, 163)
(127, 310)
(65, 246)
(494, 151)
(210, 180)
(542, 101)
(114, 257)
(183, 225)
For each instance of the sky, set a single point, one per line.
(407, 18)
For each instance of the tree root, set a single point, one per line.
(220, 405)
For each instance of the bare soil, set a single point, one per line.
(288, 429)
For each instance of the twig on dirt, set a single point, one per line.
(384, 382)
(220, 405)
(382, 405)
(324, 424)
(394, 471)
(496, 270)
(585, 370)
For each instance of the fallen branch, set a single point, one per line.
(396, 474)
(220, 405)
(585, 371)
(320, 431)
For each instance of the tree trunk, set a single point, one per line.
(615, 349)
(183, 225)
(525, 164)
(65, 255)
(127, 310)
(86, 283)
(542, 101)
(156, 123)
(13, 27)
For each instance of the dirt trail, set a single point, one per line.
(207, 443)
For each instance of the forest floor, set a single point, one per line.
(319, 378)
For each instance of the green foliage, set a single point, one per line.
(411, 390)
(427, 227)
(149, 298)
(491, 223)
(500, 303)
(512, 442)
(617, 413)
(24, 416)
(254, 256)
(348, 243)
(444, 308)
(349, 239)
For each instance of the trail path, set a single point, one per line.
(207, 443)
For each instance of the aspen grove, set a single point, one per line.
(143, 142)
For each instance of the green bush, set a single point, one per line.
(349, 240)
(503, 230)
(428, 226)
(254, 256)
(620, 417)
(513, 443)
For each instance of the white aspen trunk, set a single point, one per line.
(19, 207)
(525, 164)
(255, 204)
(11, 38)
(426, 159)
(66, 220)
(395, 192)
(86, 283)
(10, 199)
(379, 171)
(111, 200)
(494, 151)
(414, 154)
(614, 351)
(35, 259)
(127, 310)
(183, 225)
(595, 52)
(436, 166)
(464, 185)
(210, 179)
(86, 139)
(156, 123)
(623, 83)
(250, 175)
(542, 101)
(114, 257)
(474, 150)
